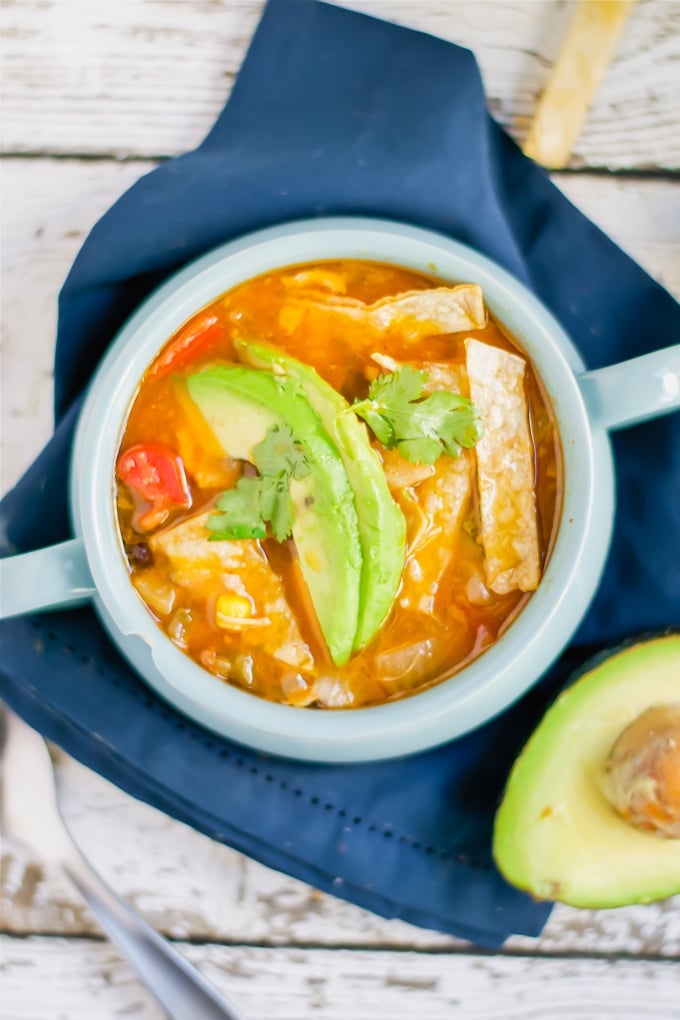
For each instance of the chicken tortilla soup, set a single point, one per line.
(338, 484)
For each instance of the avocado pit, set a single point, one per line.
(643, 772)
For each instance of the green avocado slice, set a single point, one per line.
(382, 527)
(240, 405)
(556, 834)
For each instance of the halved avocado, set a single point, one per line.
(557, 833)
(382, 527)
(240, 405)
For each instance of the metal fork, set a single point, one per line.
(30, 813)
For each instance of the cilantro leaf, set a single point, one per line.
(422, 428)
(253, 504)
(280, 452)
(240, 515)
(275, 504)
(420, 451)
(401, 387)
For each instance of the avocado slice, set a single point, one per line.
(240, 405)
(556, 833)
(382, 527)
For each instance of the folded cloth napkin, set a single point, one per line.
(334, 112)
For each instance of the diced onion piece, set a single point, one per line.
(333, 692)
(178, 626)
(409, 663)
(159, 595)
(297, 690)
(243, 670)
(476, 591)
(216, 664)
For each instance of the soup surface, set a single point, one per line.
(338, 483)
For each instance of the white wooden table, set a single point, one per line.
(95, 93)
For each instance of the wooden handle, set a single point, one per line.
(579, 68)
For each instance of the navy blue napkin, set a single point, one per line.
(335, 113)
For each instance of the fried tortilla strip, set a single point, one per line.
(240, 567)
(441, 375)
(422, 313)
(415, 313)
(505, 469)
(576, 74)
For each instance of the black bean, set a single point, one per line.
(140, 554)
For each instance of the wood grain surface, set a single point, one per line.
(50, 205)
(118, 86)
(192, 888)
(85, 980)
(148, 77)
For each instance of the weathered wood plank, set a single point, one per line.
(49, 206)
(202, 890)
(79, 980)
(190, 887)
(148, 79)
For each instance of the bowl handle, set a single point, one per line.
(632, 391)
(51, 578)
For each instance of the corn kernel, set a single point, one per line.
(231, 607)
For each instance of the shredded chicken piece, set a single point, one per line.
(440, 510)
(436, 512)
(209, 569)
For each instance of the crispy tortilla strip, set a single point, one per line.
(427, 312)
(415, 313)
(441, 375)
(505, 469)
(576, 74)
(209, 569)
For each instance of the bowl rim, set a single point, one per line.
(482, 689)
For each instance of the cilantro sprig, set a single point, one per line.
(257, 505)
(421, 427)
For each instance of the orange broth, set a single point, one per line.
(413, 649)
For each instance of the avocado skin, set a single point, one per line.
(382, 527)
(555, 833)
(240, 404)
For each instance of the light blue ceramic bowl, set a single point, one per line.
(587, 404)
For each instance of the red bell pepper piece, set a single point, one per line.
(156, 474)
(196, 339)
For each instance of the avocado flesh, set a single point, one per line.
(382, 527)
(240, 405)
(556, 834)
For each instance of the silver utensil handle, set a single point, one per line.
(179, 988)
